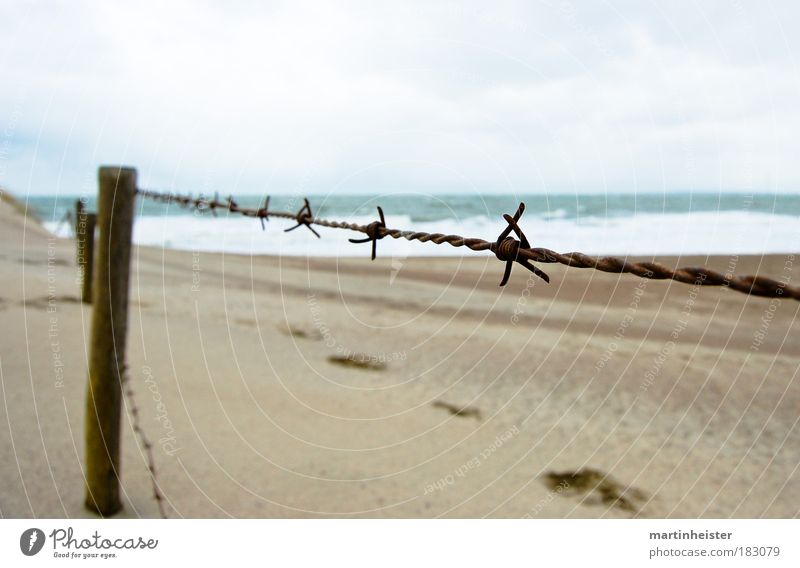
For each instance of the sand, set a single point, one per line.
(450, 397)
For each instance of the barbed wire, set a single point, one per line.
(147, 446)
(506, 248)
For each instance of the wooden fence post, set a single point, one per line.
(88, 274)
(115, 205)
(84, 237)
(79, 210)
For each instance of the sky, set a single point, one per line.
(542, 96)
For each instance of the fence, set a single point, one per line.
(506, 248)
(109, 293)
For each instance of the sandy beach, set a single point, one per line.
(294, 387)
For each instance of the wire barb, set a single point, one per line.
(507, 248)
(511, 250)
(233, 207)
(263, 214)
(304, 217)
(212, 205)
(375, 232)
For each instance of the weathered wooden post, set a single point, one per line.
(116, 197)
(84, 237)
(88, 274)
(79, 210)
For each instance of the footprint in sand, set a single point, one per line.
(597, 487)
(358, 361)
(49, 261)
(462, 411)
(44, 302)
(299, 332)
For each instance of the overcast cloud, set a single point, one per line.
(512, 97)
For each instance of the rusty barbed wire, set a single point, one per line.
(373, 233)
(145, 442)
(304, 217)
(506, 248)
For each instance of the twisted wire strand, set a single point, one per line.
(698, 276)
(147, 446)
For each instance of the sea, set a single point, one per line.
(607, 224)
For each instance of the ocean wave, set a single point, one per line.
(726, 232)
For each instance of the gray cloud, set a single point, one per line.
(520, 97)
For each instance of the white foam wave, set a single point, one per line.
(727, 232)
